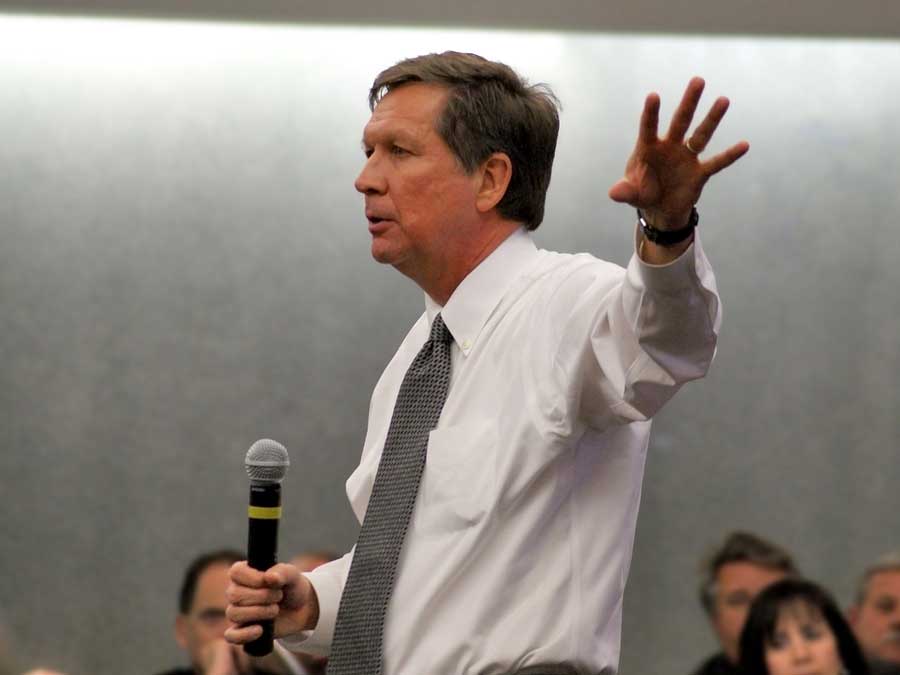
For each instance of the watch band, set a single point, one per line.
(668, 237)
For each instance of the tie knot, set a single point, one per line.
(440, 332)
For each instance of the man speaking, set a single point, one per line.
(499, 483)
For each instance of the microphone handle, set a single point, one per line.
(262, 548)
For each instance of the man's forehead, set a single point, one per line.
(212, 583)
(394, 130)
(410, 109)
(887, 581)
(740, 573)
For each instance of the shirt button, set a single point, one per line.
(466, 344)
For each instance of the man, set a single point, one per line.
(732, 576)
(875, 617)
(530, 380)
(200, 623)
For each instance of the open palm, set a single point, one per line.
(665, 176)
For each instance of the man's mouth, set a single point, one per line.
(892, 636)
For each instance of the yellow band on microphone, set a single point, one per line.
(264, 512)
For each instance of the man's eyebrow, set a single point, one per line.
(394, 136)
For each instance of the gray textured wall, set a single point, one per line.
(184, 268)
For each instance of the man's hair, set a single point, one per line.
(889, 562)
(784, 595)
(196, 568)
(489, 109)
(740, 547)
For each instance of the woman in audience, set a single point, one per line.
(795, 628)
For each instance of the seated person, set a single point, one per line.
(875, 616)
(732, 576)
(795, 628)
(201, 622)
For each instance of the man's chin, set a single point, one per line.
(383, 254)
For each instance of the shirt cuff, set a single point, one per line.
(318, 640)
(681, 274)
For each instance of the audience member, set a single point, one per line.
(733, 575)
(794, 627)
(875, 616)
(200, 624)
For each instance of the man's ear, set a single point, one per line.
(181, 630)
(852, 615)
(495, 172)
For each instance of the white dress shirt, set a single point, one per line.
(519, 546)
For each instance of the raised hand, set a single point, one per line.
(665, 176)
(220, 658)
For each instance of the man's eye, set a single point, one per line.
(397, 150)
(212, 615)
(738, 600)
(886, 605)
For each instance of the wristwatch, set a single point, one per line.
(668, 237)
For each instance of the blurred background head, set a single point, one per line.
(794, 627)
(732, 576)
(201, 602)
(875, 614)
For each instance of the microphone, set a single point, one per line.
(266, 462)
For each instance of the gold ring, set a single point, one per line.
(688, 145)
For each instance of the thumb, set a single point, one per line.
(624, 192)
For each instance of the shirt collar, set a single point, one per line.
(480, 292)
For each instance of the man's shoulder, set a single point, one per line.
(568, 275)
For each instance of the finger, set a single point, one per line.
(702, 134)
(238, 635)
(649, 120)
(254, 614)
(623, 192)
(684, 113)
(280, 575)
(242, 574)
(244, 597)
(725, 159)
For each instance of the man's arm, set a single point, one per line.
(654, 328)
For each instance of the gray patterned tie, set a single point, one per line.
(358, 633)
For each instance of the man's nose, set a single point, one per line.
(370, 180)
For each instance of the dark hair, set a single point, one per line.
(196, 568)
(762, 620)
(740, 547)
(489, 109)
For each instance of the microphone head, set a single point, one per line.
(267, 461)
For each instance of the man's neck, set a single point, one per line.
(441, 286)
